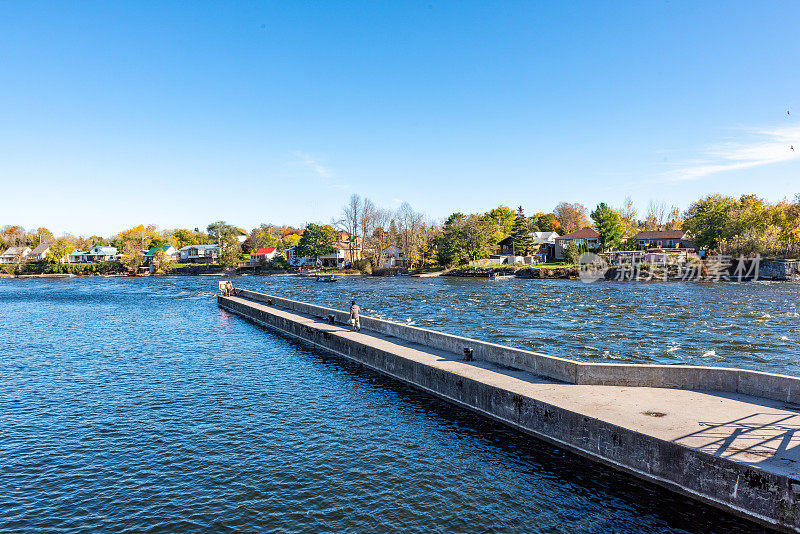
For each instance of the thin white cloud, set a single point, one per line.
(763, 147)
(326, 176)
(310, 163)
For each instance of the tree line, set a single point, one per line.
(745, 225)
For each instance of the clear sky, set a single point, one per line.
(181, 113)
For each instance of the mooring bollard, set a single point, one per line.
(332, 319)
(269, 302)
(468, 352)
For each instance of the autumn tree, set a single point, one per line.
(571, 217)
(261, 237)
(41, 235)
(291, 240)
(674, 219)
(59, 250)
(13, 236)
(183, 237)
(133, 257)
(289, 230)
(230, 250)
(656, 215)
(708, 221)
(504, 217)
(789, 223)
(627, 217)
(546, 222)
(464, 238)
(141, 233)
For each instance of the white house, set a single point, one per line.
(263, 254)
(586, 236)
(297, 261)
(102, 253)
(544, 248)
(392, 256)
(198, 253)
(78, 256)
(15, 255)
(334, 259)
(96, 254)
(241, 235)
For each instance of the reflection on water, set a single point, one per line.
(138, 405)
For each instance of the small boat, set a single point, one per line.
(330, 278)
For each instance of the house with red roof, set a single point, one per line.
(585, 236)
(262, 254)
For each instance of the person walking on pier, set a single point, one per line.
(355, 312)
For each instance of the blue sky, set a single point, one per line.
(178, 114)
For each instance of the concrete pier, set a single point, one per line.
(727, 437)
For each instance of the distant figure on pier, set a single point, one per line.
(355, 312)
(226, 287)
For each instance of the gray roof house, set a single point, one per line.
(194, 253)
(102, 254)
(40, 252)
(15, 255)
(94, 255)
(77, 256)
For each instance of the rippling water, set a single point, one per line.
(136, 405)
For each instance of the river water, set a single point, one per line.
(136, 405)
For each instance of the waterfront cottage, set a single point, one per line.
(96, 254)
(40, 252)
(391, 256)
(102, 253)
(334, 259)
(263, 254)
(170, 253)
(241, 235)
(15, 255)
(585, 236)
(77, 256)
(296, 260)
(662, 239)
(545, 240)
(352, 245)
(198, 253)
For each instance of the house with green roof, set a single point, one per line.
(169, 252)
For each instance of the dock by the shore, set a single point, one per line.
(723, 436)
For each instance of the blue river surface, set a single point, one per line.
(136, 405)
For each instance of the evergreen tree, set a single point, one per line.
(608, 226)
(393, 234)
(521, 234)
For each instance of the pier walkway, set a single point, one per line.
(730, 449)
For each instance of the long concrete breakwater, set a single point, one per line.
(727, 437)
